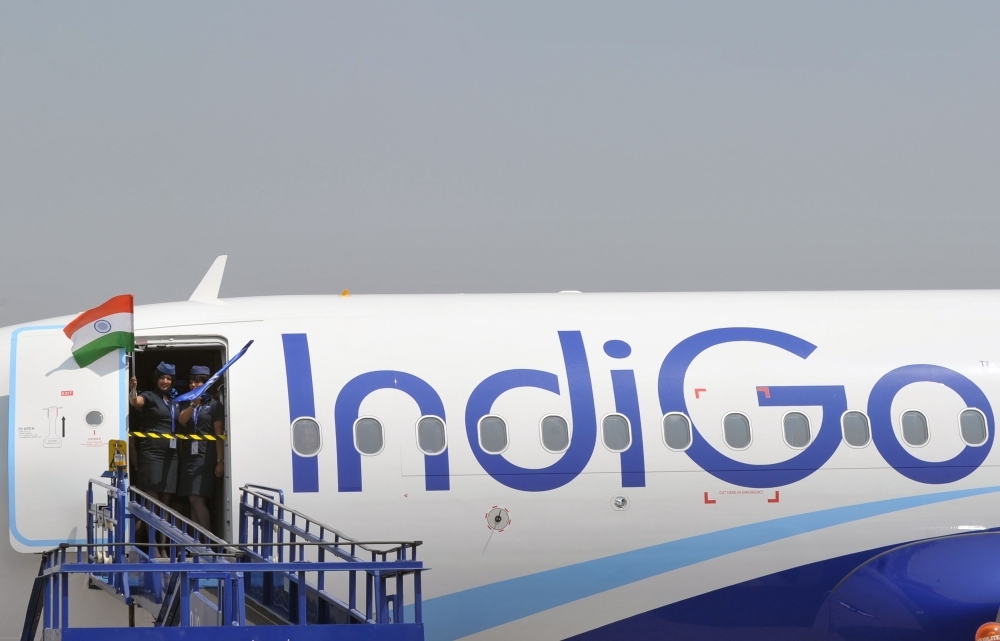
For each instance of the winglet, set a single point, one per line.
(208, 288)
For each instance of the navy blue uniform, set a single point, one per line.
(198, 458)
(157, 468)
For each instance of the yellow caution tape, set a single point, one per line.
(183, 437)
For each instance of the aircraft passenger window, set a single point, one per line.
(307, 438)
(431, 436)
(973, 425)
(915, 428)
(857, 431)
(368, 435)
(736, 430)
(555, 433)
(795, 427)
(94, 418)
(492, 434)
(676, 431)
(616, 432)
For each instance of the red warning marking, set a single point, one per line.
(766, 390)
(66, 392)
(698, 391)
(777, 497)
(709, 501)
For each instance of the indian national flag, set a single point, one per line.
(102, 330)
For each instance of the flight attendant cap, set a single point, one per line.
(166, 368)
(200, 370)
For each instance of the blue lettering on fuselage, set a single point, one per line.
(831, 398)
(581, 398)
(347, 411)
(298, 375)
(880, 414)
(623, 384)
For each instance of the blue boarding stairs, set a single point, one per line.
(289, 577)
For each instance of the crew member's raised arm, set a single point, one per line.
(134, 399)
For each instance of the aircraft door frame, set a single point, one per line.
(165, 343)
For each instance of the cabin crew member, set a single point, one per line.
(157, 457)
(201, 461)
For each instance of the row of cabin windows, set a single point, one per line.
(369, 435)
(616, 432)
(797, 432)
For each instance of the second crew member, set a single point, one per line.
(201, 461)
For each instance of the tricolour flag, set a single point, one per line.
(102, 330)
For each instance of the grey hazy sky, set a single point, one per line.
(514, 146)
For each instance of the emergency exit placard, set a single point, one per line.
(61, 419)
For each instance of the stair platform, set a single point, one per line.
(288, 578)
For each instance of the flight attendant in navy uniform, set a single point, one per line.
(157, 457)
(201, 461)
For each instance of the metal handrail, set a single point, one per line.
(177, 515)
(61, 562)
(336, 547)
(278, 490)
(229, 545)
(267, 519)
(100, 483)
(345, 540)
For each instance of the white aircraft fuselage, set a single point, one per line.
(609, 463)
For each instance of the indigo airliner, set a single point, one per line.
(781, 466)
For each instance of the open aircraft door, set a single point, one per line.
(61, 419)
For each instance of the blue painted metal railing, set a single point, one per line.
(272, 531)
(298, 571)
